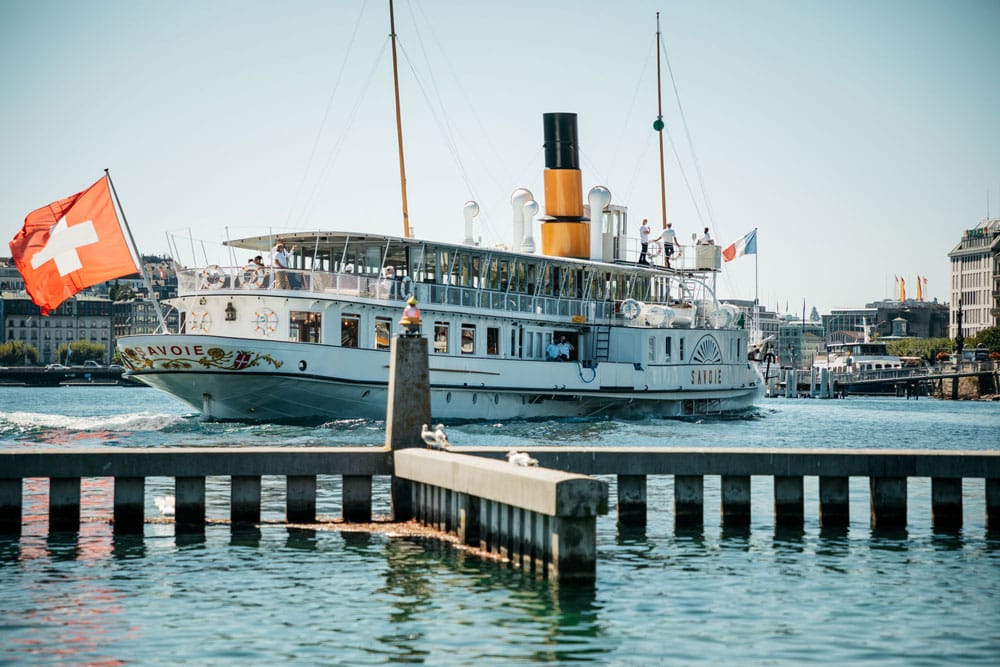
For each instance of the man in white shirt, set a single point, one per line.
(669, 240)
(706, 238)
(643, 240)
(282, 259)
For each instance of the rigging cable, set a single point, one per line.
(326, 114)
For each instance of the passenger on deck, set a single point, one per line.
(565, 349)
(552, 351)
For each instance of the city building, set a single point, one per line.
(799, 343)
(975, 279)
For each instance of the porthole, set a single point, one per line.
(302, 365)
(475, 397)
(447, 397)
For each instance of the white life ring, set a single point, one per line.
(405, 285)
(631, 309)
(265, 321)
(199, 321)
(252, 278)
(653, 249)
(212, 277)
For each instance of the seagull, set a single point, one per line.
(440, 437)
(165, 504)
(427, 436)
(521, 458)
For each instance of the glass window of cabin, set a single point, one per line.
(468, 339)
(680, 349)
(492, 340)
(349, 325)
(504, 274)
(466, 276)
(651, 356)
(304, 326)
(441, 337)
(383, 330)
(666, 349)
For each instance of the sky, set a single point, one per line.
(860, 138)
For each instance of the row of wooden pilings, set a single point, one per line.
(540, 518)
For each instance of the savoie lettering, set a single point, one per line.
(706, 376)
(176, 350)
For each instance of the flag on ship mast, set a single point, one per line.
(920, 291)
(902, 289)
(745, 246)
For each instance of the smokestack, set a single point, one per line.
(565, 232)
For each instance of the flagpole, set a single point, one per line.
(756, 295)
(135, 252)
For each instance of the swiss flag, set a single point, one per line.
(72, 244)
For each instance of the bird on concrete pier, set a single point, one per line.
(521, 458)
(165, 504)
(436, 439)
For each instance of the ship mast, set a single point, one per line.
(399, 124)
(658, 124)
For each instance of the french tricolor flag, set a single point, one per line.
(745, 246)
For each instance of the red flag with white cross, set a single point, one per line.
(71, 244)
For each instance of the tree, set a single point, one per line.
(80, 351)
(118, 292)
(988, 338)
(925, 348)
(16, 352)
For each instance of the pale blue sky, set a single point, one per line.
(861, 138)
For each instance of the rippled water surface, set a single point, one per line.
(713, 596)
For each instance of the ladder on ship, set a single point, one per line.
(602, 342)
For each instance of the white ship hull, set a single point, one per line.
(233, 379)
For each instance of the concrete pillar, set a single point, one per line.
(356, 498)
(189, 501)
(300, 498)
(834, 502)
(632, 500)
(504, 527)
(487, 534)
(574, 548)
(946, 503)
(469, 528)
(244, 500)
(129, 505)
(689, 500)
(888, 502)
(993, 505)
(408, 408)
(788, 501)
(64, 504)
(812, 382)
(736, 500)
(541, 544)
(517, 536)
(10, 506)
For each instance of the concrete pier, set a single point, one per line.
(543, 518)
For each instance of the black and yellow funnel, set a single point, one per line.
(565, 232)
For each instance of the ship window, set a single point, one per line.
(383, 328)
(492, 340)
(666, 349)
(468, 339)
(305, 326)
(441, 337)
(680, 351)
(652, 349)
(349, 330)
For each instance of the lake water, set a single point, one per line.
(714, 596)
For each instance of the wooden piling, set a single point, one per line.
(129, 505)
(834, 502)
(788, 501)
(300, 498)
(689, 500)
(244, 502)
(736, 500)
(356, 498)
(189, 504)
(64, 504)
(632, 500)
(888, 502)
(946, 503)
(10, 506)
